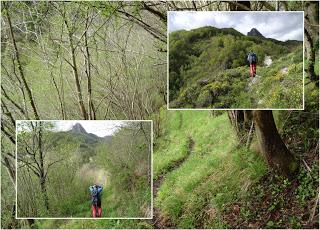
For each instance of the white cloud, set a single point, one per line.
(190, 20)
(278, 25)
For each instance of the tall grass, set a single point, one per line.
(216, 172)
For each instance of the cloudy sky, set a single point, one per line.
(99, 128)
(278, 25)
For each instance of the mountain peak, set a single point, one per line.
(77, 128)
(254, 32)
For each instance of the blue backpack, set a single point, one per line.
(95, 192)
(252, 58)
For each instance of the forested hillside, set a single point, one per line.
(55, 170)
(107, 60)
(208, 69)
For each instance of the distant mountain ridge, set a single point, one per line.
(87, 141)
(213, 31)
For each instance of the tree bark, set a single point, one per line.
(311, 57)
(91, 110)
(42, 170)
(311, 33)
(271, 144)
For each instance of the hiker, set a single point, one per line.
(252, 59)
(96, 191)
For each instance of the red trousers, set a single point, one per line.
(94, 211)
(253, 67)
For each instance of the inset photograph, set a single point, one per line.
(84, 169)
(235, 60)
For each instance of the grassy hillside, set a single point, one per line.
(214, 183)
(208, 69)
(193, 195)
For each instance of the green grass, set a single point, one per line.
(174, 144)
(93, 224)
(316, 66)
(215, 174)
(277, 89)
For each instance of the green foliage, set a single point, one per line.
(127, 159)
(300, 129)
(93, 224)
(7, 194)
(276, 202)
(316, 66)
(308, 183)
(208, 69)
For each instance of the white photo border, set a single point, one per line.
(204, 109)
(84, 218)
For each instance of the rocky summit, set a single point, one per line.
(254, 32)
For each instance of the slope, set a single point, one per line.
(220, 184)
(208, 69)
(193, 193)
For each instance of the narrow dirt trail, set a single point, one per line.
(159, 221)
(267, 62)
(93, 174)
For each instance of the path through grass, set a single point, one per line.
(214, 174)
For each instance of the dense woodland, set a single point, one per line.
(208, 68)
(55, 170)
(107, 60)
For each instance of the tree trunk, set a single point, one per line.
(17, 55)
(271, 144)
(42, 170)
(311, 33)
(44, 192)
(240, 120)
(310, 56)
(91, 110)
